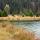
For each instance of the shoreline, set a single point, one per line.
(11, 18)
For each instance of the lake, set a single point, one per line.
(31, 26)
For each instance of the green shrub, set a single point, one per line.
(0, 13)
(15, 13)
(28, 13)
(3, 14)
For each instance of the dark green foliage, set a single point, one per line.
(28, 13)
(14, 13)
(37, 15)
(3, 14)
(0, 13)
(20, 5)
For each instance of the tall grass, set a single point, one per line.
(10, 32)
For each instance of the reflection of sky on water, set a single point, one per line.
(31, 26)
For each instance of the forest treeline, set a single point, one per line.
(20, 7)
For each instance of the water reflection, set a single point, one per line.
(31, 26)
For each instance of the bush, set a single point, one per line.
(0, 13)
(28, 13)
(3, 14)
(15, 13)
(37, 14)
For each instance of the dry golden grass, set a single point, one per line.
(9, 32)
(20, 18)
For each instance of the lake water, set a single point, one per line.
(31, 26)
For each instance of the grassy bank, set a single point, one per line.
(10, 32)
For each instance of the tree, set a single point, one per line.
(7, 9)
